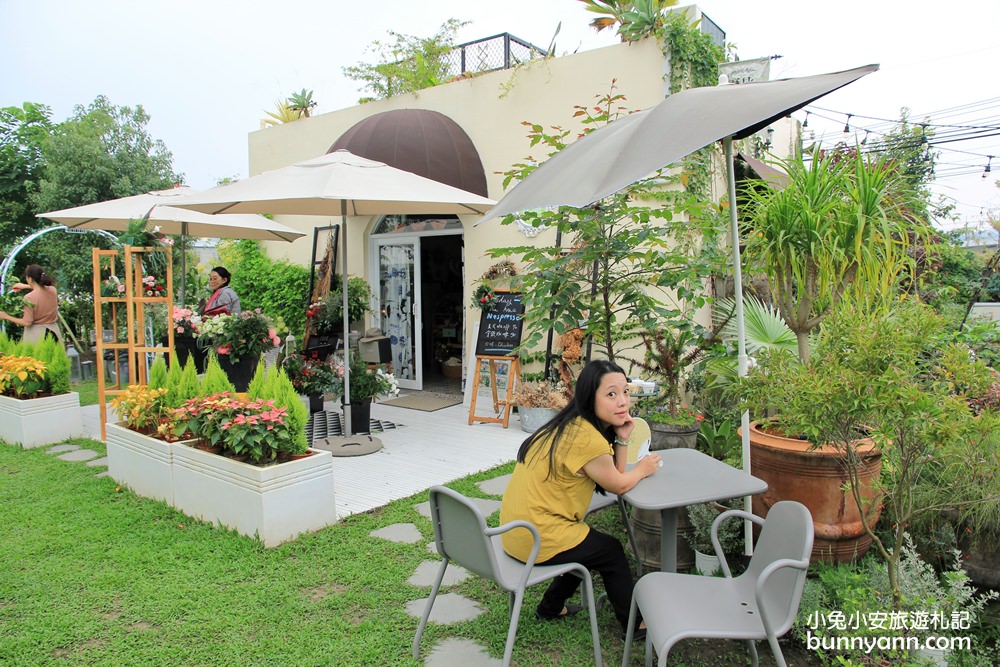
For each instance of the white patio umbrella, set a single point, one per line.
(115, 215)
(633, 147)
(343, 184)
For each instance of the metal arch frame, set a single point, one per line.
(9, 259)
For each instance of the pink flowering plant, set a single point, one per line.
(186, 322)
(112, 287)
(247, 334)
(258, 430)
(253, 428)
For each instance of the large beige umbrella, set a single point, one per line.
(338, 183)
(633, 147)
(115, 215)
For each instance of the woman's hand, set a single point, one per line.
(624, 432)
(648, 464)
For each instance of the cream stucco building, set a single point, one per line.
(442, 260)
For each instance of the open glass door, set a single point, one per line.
(399, 306)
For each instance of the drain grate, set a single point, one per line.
(326, 424)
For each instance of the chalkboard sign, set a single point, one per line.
(500, 327)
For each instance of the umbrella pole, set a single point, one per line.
(184, 233)
(741, 342)
(346, 323)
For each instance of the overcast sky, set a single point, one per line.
(207, 71)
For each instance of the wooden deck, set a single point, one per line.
(429, 448)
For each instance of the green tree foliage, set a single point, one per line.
(406, 64)
(277, 287)
(215, 379)
(258, 384)
(158, 375)
(22, 131)
(907, 148)
(172, 383)
(623, 267)
(188, 387)
(103, 152)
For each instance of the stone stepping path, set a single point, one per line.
(74, 453)
(448, 607)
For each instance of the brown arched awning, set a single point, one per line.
(420, 141)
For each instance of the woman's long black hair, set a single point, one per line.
(582, 405)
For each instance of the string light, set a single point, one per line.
(806, 124)
(989, 161)
(847, 124)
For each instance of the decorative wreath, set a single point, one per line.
(484, 298)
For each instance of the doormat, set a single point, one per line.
(326, 424)
(425, 403)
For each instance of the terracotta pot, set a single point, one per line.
(817, 477)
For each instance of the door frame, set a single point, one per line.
(375, 242)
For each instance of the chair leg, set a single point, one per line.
(427, 610)
(630, 631)
(776, 650)
(752, 650)
(588, 591)
(631, 536)
(515, 617)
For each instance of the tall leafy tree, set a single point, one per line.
(22, 131)
(102, 152)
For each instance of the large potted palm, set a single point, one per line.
(839, 228)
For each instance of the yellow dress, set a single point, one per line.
(556, 504)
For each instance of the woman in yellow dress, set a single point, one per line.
(558, 467)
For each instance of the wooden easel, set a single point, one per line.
(502, 407)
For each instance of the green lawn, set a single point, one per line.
(95, 575)
(87, 391)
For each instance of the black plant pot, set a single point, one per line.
(315, 403)
(186, 347)
(361, 414)
(239, 373)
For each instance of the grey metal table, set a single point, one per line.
(687, 477)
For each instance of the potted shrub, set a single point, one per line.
(310, 376)
(883, 374)
(538, 402)
(326, 316)
(36, 406)
(238, 341)
(700, 535)
(367, 382)
(266, 496)
(840, 228)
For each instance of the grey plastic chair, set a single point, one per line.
(462, 536)
(759, 604)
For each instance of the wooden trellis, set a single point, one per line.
(134, 301)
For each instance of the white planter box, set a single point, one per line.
(142, 463)
(40, 421)
(275, 503)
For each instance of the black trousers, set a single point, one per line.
(600, 552)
